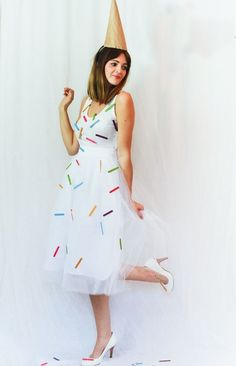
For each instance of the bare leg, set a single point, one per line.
(139, 273)
(100, 304)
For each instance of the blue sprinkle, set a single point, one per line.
(77, 128)
(59, 214)
(101, 228)
(81, 148)
(78, 185)
(55, 358)
(94, 123)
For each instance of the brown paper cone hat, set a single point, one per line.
(115, 37)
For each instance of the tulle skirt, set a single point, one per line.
(95, 237)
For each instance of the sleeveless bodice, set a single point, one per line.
(99, 130)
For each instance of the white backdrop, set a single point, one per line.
(183, 84)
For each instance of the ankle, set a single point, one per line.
(103, 336)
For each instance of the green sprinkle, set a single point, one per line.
(94, 115)
(69, 165)
(112, 170)
(120, 245)
(69, 178)
(106, 110)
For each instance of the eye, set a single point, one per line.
(113, 64)
(125, 68)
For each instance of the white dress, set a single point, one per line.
(95, 237)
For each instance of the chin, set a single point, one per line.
(115, 83)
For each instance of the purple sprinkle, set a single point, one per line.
(108, 212)
(115, 125)
(103, 137)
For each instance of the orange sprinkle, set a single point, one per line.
(77, 264)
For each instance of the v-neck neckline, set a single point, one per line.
(102, 110)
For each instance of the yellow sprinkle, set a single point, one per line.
(93, 209)
(81, 131)
(77, 264)
(60, 185)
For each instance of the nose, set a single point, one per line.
(118, 69)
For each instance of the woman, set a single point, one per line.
(102, 244)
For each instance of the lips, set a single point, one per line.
(117, 77)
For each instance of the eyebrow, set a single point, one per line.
(125, 63)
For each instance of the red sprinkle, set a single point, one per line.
(114, 189)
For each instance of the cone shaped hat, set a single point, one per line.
(115, 37)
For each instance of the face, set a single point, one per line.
(116, 69)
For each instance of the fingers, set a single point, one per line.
(68, 90)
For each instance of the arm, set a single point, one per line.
(68, 135)
(125, 116)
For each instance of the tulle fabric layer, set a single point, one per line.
(95, 237)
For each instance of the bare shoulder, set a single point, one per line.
(124, 98)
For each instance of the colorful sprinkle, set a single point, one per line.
(55, 358)
(94, 116)
(77, 161)
(55, 253)
(112, 170)
(77, 264)
(87, 138)
(164, 360)
(75, 124)
(120, 244)
(81, 131)
(102, 228)
(115, 125)
(66, 249)
(103, 137)
(68, 165)
(108, 212)
(94, 123)
(92, 211)
(71, 211)
(85, 119)
(106, 110)
(59, 214)
(88, 358)
(69, 179)
(81, 148)
(114, 189)
(60, 185)
(78, 185)
(43, 364)
(100, 165)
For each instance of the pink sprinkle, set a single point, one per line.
(77, 161)
(43, 364)
(85, 119)
(87, 138)
(54, 255)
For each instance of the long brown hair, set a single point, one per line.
(99, 89)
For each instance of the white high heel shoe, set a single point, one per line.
(89, 361)
(153, 264)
